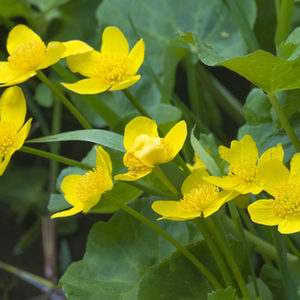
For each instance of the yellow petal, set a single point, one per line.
(114, 41)
(5, 162)
(13, 106)
(11, 77)
(103, 161)
(129, 81)
(136, 127)
(261, 212)
(136, 57)
(295, 168)
(19, 35)
(169, 210)
(87, 64)
(66, 213)
(87, 86)
(91, 201)
(226, 182)
(75, 47)
(272, 153)
(133, 175)
(291, 224)
(272, 175)
(22, 135)
(248, 188)
(175, 139)
(68, 187)
(54, 53)
(193, 180)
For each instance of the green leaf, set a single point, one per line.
(264, 291)
(45, 5)
(14, 8)
(57, 202)
(176, 278)
(43, 95)
(96, 136)
(209, 162)
(228, 294)
(119, 253)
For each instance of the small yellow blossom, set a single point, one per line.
(200, 199)
(145, 148)
(13, 132)
(84, 191)
(198, 164)
(284, 186)
(28, 53)
(244, 164)
(113, 68)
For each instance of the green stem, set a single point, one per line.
(261, 246)
(41, 283)
(135, 103)
(59, 158)
(239, 12)
(284, 21)
(170, 239)
(223, 246)
(158, 172)
(215, 251)
(236, 219)
(288, 283)
(284, 121)
(85, 124)
(292, 246)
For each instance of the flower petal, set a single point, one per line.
(87, 64)
(272, 153)
(175, 139)
(261, 212)
(11, 77)
(169, 210)
(22, 135)
(272, 175)
(114, 41)
(225, 182)
(54, 53)
(76, 47)
(68, 187)
(295, 168)
(66, 213)
(136, 127)
(19, 35)
(133, 175)
(91, 201)
(5, 162)
(193, 180)
(87, 86)
(103, 161)
(290, 224)
(136, 57)
(129, 81)
(13, 106)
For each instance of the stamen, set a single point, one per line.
(8, 134)
(245, 170)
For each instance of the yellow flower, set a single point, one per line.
(145, 148)
(114, 68)
(284, 186)
(84, 191)
(13, 132)
(28, 53)
(198, 164)
(200, 199)
(244, 164)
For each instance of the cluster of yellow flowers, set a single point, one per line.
(114, 68)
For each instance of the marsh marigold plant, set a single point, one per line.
(145, 148)
(113, 68)
(28, 54)
(244, 164)
(13, 131)
(85, 191)
(284, 185)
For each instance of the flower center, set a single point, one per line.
(198, 199)
(90, 184)
(8, 135)
(287, 200)
(113, 68)
(245, 170)
(27, 56)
